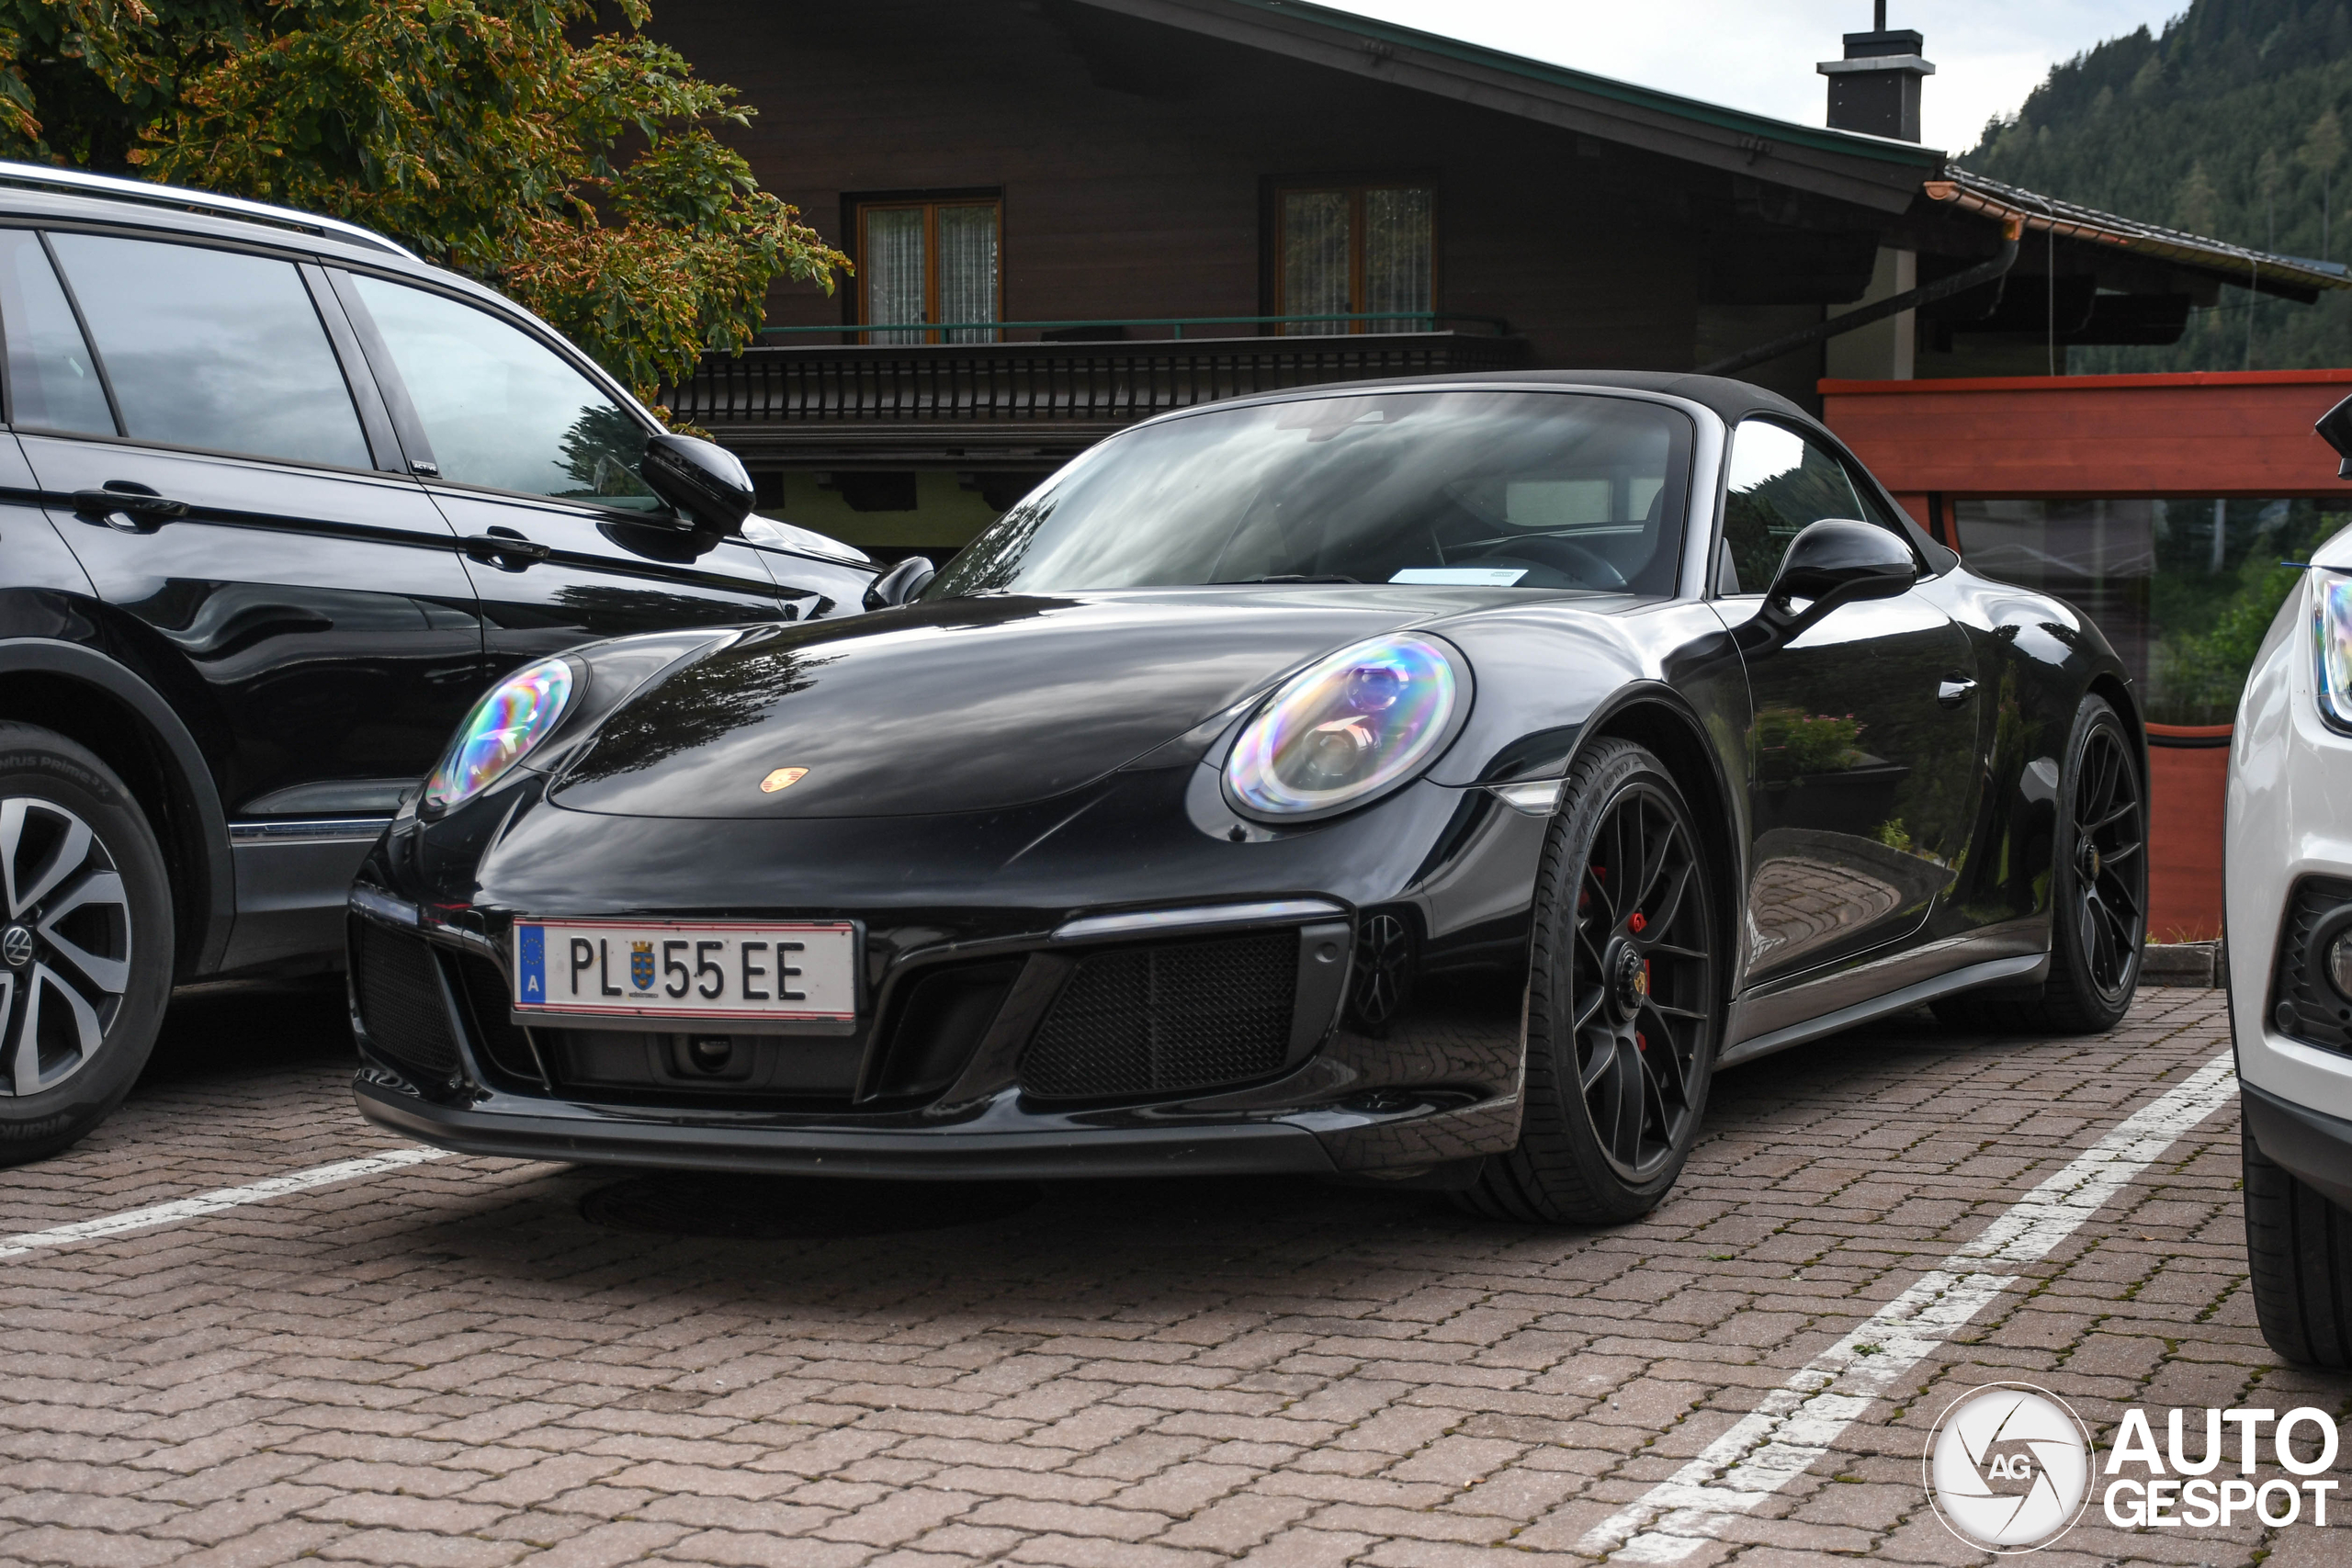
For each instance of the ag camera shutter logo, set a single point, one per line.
(2008, 1466)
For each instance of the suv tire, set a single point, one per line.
(86, 941)
(2299, 1245)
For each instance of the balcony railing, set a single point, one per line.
(1067, 332)
(1036, 403)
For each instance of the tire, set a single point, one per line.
(86, 941)
(1616, 973)
(2299, 1248)
(2098, 894)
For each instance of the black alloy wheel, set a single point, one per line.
(2110, 866)
(86, 941)
(1623, 1002)
(2098, 893)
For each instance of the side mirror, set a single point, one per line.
(2335, 427)
(901, 583)
(702, 479)
(1834, 562)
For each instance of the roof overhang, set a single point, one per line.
(1871, 172)
(2292, 278)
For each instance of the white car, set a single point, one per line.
(2288, 917)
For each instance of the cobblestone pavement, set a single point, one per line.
(448, 1363)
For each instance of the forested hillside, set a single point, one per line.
(2234, 123)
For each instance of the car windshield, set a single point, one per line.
(1491, 489)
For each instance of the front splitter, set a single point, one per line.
(1257, 1148)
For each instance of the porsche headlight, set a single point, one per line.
(500, 731)
(2331, 647)
(1348, 728)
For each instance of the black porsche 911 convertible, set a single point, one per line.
(1434, 782)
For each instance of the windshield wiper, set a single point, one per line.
(1288, 576)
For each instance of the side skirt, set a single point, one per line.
(2025, 966)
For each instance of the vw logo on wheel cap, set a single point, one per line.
(16, 946)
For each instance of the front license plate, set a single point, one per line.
(740, 972)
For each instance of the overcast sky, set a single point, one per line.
(1758, 54)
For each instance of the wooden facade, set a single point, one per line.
(1136, 163)
(1135, 154)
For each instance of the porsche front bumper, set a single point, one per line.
(1259, 1057)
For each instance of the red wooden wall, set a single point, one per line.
(2211, 432)
(2207, 433)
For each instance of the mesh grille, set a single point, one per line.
(2306, 1006)
(401, 1001)
(501, 1039)
(1149, 1020)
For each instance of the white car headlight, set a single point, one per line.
(1349, 728)
(500, 732)
(2332, 649)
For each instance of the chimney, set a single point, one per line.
(1876, 87)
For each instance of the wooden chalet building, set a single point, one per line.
(1068, 215)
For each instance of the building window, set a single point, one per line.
(2184, 586)
(1346, 250)
(930, 261)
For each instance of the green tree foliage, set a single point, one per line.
(2194, 207)
(2234, 116)
(578, 170)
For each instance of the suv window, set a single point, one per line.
(1780, 482)
(53, 382)
(500, 408)
(213, 349)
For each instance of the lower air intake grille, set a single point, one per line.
(1151, 1020)
(2306, 1006)
(401, 1001)
(498, 1036)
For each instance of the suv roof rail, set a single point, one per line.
(81, 181)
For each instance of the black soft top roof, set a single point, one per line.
(1731, 399)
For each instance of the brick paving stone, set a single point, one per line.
(451, 1365)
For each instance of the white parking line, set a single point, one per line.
(1796, 1423)
(212, 1202)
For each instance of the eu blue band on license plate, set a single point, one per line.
(531, 964)
(780, 972)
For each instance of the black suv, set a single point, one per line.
(277, 502)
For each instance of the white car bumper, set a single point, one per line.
(2287, 837)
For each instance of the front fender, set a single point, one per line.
(1546, 671)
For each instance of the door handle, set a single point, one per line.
(496, 549)
(1954, 690)
(127, 505)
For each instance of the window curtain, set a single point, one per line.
(894, 269)
(1315, 259)
(1395, 256)
(968, 269)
